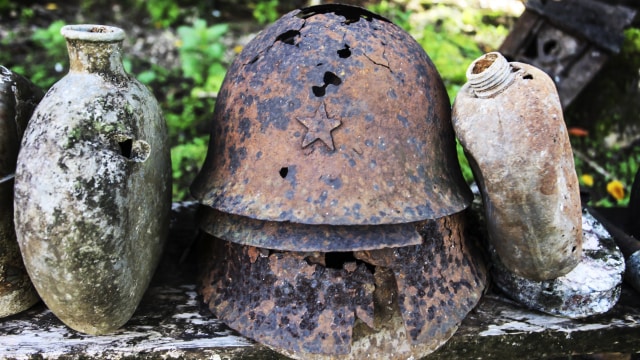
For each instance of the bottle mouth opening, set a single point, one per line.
(483, 63)
(90, 32)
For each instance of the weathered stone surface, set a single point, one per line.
(509, 120)
(93, 187)
(592, 287)
(18, 98)
(500, 329)
(170, 324)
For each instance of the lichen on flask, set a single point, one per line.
(92, 226)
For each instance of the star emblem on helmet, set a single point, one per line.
(319, 127)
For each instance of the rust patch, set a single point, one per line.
(318, 91)
(284, 301)
(319, 127)
(312, 158)
(309, 303)
(438, 282)
(445, 274)
(285, 235)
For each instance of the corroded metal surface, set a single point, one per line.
(303, 237)
(438, 282)
(333, 115)
(399, 302)
(283, 300)
(332, 134)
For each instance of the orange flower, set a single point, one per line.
(586, 179)
(578, 131)
(616, 189)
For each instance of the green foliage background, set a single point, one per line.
(451, 34)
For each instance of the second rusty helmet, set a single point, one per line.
(332, 116)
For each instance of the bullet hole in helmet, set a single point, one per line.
(344, 260)
(318, 90)
(284, 171)
(336, 260)
(528, 77)
(344, 53)
(288, 37)
(329, 79)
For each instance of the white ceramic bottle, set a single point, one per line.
(93, 186)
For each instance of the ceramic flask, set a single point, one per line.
(93, 186)
(509, 121)
(18, 98)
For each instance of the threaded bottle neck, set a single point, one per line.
(489, 75)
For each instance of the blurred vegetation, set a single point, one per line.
(607, 154)
(207, 35)
(452, 36)
(48, 41)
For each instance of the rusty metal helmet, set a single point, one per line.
(331, 121)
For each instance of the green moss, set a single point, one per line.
(95, 126)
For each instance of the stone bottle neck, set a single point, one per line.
(94, 48)
(490, 75)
